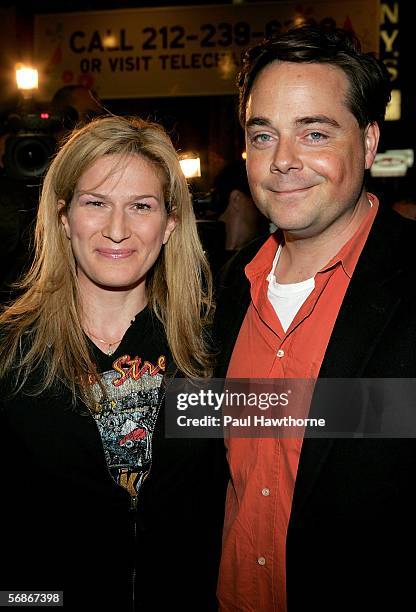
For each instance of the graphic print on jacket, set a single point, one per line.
(126, 417)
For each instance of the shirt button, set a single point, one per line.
(280, 353)
(261, 561)
(265, 492)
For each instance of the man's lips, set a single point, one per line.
(115, 253)
(289, 190)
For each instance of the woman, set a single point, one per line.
(98, 503)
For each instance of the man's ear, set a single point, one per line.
(234, 200)
(371, 138)
(63, 217)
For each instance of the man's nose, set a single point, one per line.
(285, 156)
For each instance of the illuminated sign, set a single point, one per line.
(181, 51)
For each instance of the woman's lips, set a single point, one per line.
(115, 253)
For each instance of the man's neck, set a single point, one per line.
(238, 233)
(302, 257)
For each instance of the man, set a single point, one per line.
(76, 105)
(320, 524)
(232, 200)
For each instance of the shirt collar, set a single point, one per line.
(347, 256)
(350, 252)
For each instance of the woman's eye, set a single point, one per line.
(94, 203)
(142, 206)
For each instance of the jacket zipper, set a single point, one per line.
(134, 499)
(133, 508)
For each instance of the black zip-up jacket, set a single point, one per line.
(66, 524)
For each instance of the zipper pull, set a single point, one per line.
(133, 503)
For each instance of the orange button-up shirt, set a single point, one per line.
(263, 471)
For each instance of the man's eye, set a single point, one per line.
(261, 138)
(94, 203)
(316, 136)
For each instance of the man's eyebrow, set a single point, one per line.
(258, 121)
(320, 119)
(323, 119)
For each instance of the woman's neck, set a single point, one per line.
(108, 313)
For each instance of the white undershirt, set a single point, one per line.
(287, 299)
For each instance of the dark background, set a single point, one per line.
(197, 123)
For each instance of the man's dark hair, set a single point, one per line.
(64, 104)
(64, 95)
(233, 176)
(368, 77)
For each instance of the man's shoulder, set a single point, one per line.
(388, 217)
(391, 240)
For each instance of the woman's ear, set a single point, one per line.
(170, 226)
(63, 217)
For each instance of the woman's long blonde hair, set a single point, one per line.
(41, 330)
